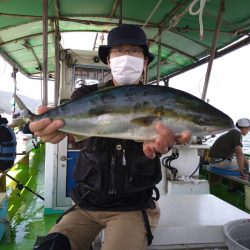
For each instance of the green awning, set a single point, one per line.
(21, 28)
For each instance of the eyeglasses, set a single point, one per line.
(130, 51)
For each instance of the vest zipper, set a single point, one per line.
(123, 158)
(112, 190)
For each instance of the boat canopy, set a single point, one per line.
(181, 33)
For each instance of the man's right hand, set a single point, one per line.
(47, 129)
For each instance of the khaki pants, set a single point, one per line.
(123, 230)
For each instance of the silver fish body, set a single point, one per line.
(131, 111)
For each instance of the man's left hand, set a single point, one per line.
(165, 140)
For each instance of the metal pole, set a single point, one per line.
(45, 53)
(28, 46)
(57, 68)
(152, 13)
(212, 56)
(57, 39)
(13, 75)
(159, 59)
(120, 17)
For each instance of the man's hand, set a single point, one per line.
(46, 129)
(164, 141)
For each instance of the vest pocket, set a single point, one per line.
(88, 170)
(142, 174)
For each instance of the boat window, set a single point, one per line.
(90, 75)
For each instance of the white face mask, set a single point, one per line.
(126, 69)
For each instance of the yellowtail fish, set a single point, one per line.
(131, 111)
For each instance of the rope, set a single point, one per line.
(198, 12)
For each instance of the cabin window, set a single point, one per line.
(90, 75)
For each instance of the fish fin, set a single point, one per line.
(18, 122)
(19, 102)
(79, 137)
(25, 114)
(144, 120)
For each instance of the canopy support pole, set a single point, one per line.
(114, 8)
(57, 38)
(214, 45)
(120, 10)
(13, 75)
(159, 59)
(57, 68)
(45, 54)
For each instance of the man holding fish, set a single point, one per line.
(115, 177)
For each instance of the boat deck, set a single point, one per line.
(193, 222)
(26, 210)
(204, 213)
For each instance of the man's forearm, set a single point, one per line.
(246, 164)
(241, 162)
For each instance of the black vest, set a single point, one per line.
(116, 175)
(113, 174)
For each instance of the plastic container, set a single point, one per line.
(237, 234)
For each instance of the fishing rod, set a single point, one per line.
(21, 186)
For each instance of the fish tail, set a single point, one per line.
(25, 114)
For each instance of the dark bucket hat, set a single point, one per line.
(125, 34)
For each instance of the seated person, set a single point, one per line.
(7, 145)
(230, 143)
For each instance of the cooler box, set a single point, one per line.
(24, 143)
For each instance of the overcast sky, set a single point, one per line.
(229, 85)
